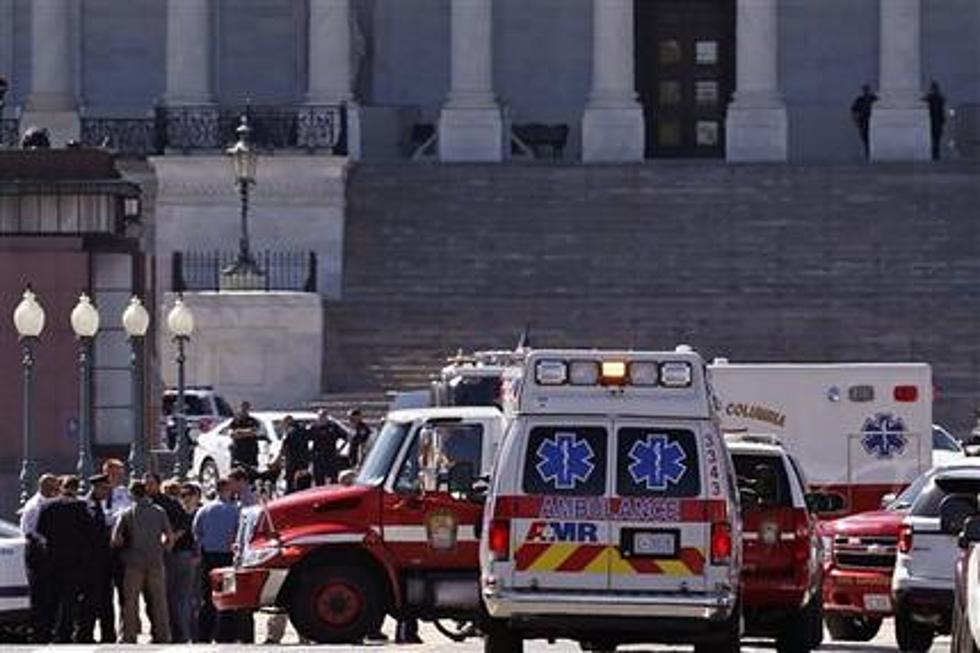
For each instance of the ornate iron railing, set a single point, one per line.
(283, 271)
(196, 128)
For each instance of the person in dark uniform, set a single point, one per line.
(937, 117)
(324, 434)
(244, 431)
(361, 433)
(38, 568)
(68, 532)
(861, 113)
(97, 585)
(294, 455)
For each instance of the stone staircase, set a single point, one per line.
(781, 263)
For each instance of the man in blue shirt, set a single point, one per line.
(215, 525)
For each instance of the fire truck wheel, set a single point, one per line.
(729, 641)
(852, 629)
(499, 638)
(912, 637)
(337, 604)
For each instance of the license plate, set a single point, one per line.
(228, 584)
(660, 544)
(877, 602)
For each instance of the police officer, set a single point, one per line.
(97, 576)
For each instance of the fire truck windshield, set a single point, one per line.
(383, 452)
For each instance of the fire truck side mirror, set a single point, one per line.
(887, 499)
(954, 511)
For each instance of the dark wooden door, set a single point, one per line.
(685, 74)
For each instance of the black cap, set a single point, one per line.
(98, 478)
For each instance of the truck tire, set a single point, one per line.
(730, 640)
(912, 637)
(499, 638)
(962, 637)
(337, 604)
(796, 634)
(852, 629)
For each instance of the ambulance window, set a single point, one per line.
(656, 461)
(765, 477)
(566, 460)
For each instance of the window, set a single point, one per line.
(566, 460)
(223, 408)
(196, 405)
(670, 52)
(943, 441)
(765, 477)
(706, 53)
(706, 93)
(670, 93)
(707, 133)
(657, 462)
(904, 500)
(457, 443)
(927, 504)
(382, 455)
(669, 133)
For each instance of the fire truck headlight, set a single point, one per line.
(828, 547)
(259, 555)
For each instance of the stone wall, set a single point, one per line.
(261, 347)
(754, 263)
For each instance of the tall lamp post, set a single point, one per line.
(29, 322)
(85, 324)
(244, 161)
(180, 322)
(136, 322)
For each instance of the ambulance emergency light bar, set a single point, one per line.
(609, 382)
(667, 374)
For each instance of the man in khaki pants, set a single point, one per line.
(142, 534)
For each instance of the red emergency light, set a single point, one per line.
(906, 393)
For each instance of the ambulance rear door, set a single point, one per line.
(659, 523)
(559, 529)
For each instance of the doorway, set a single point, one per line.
(685, 74)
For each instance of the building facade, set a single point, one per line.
(746, 80)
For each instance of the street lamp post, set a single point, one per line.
(244, 272)
(136, 322)
(85, 324)
(180, 322)
(29, 322)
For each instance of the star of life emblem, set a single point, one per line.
(657, 462)
(883, 436)
(565, 461)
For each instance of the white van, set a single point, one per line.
(612, 516)
(860, 430)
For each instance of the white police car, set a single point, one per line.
(613, 516)
(15, 601)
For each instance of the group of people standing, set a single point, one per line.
(88, 553)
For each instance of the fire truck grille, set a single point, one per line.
(865, 552)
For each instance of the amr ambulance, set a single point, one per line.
(612, 516)
(861, 431)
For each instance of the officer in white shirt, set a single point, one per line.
(118, 500)
(47, 489)
(38, 575)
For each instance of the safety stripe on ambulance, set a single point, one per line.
(566, 557)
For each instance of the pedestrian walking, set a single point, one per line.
(38, 569)
(937, 117)
(143, 534)
(214, 528)
(861, 113)
(68, 535)
(294, 454)
(324, 435)
(244, 431)
(360, 436)
(97, 585)
(241, 488)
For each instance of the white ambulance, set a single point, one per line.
(861, 431)
(612, 516)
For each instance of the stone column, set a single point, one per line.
(330, 77)
(189, 62)
(900, 119)
(53, 102)
(756, 126)
(613, 126)
(471, 125)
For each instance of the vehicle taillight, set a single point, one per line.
(801, 544)
(721, 543)
(499, 539)
(905, 538)
(906, 393)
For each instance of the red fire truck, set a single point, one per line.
(402, 539)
